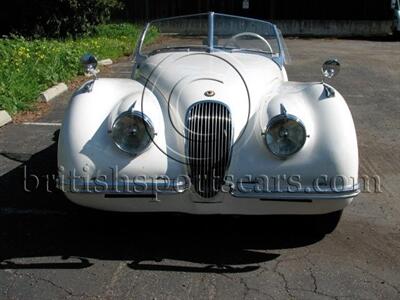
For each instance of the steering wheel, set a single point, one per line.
(232, 39)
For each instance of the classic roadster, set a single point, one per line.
(210, 124)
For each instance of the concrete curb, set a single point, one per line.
(4, 118)
(53, 92)
(105, 62)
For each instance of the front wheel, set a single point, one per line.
(325, 224)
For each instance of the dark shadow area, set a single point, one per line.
(84, 263)
(55, 234)
(32, 185)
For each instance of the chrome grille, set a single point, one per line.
(209, 138)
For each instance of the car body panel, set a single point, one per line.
(322, 177)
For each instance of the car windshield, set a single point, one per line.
(213, 32)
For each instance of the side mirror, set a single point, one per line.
(89, 63)
(330, 68)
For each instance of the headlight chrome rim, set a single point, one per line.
(285, 117)
(149, 128)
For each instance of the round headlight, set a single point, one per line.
(132, 132)
(285, 135)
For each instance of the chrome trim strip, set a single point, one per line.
(179, 187)
(281, 49)
(304, 194)
(149, 187)
(211, 31)
(137, 57)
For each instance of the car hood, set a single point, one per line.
(239, 80)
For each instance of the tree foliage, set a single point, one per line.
(56, 18)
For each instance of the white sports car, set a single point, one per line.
(210, 124)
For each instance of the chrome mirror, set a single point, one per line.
(89, 63)
(330, 68)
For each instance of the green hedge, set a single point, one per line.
(56, 18)
(28, 67)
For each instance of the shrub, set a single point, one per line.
(28, 67)
(57, 18)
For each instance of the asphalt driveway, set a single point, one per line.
(50, 248)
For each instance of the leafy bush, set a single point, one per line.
(57, 18)
(28, 67)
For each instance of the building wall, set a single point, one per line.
(265, 9)
(294, 17)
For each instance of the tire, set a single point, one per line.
(325, 224)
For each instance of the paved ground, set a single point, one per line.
(52, 249)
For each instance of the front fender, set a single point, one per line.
(331, 148)
(86, 148)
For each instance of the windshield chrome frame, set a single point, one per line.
(138, 57)
(211, 31)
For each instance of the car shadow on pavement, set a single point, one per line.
(42, 230)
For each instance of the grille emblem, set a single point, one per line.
(209, 93)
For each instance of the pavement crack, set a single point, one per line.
(65, 290)
(315, 282)
(247, 288)
(382, 280)
(314, 279)
(10, 286)
(213, 291)
(289, 290)
(114, 278)
(282, 276)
